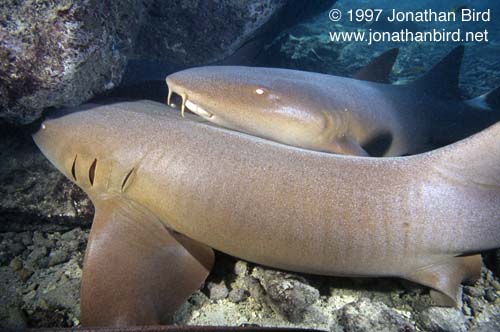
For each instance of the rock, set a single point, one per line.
(473, 291)
(25, 274)
(487, 326)
(71, 235)
(26, 238)
(217, 291)
(476, 305)
(35, 257)
(62, 53)
(58, 256)
(16, 264)
(11, 315)
(436, 319)
(491, 295)
(40, 241)
(366, 316)
(241, 268)
(9, 248)
(194, 32)
(238, 295)
(289, 296)
(16, 319)
(34, 194)
(487, 320)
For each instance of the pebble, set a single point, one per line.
(217, 291)
(289, 296)
(474, 291)
(241, 268)
(490, 295)
(35, 257)
(71, 235)
(16, 264)
(437, 319)
(367, 316)
(25, 274)
(58, 256)
(476, 305)
(495, 284)
(26, 238)
(238, 295)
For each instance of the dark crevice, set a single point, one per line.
(124, 183)
(92, 172)
(378, 145)
(73, 169)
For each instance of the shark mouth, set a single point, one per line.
(186, 103)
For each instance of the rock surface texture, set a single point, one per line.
(55, 53)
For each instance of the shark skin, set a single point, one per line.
(167, 189)
(356, 116)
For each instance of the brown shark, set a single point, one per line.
(168, 189)
(357, 116)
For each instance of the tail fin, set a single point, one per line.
(489, 101)
(442, 79)
(475, 158)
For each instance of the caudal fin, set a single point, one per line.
(442, 79)
(489, 101)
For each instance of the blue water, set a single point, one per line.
(308, 45)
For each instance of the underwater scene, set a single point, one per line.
(326, 165)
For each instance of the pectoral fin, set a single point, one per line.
(347, 145)
(136, 271)
(446, 276)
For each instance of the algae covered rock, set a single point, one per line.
(55, 53)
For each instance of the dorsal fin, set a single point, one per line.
(442, 79)
(379, 69)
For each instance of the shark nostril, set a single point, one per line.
(73, 168)
(92, 172)
(174, 100)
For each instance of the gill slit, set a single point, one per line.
(127, 177)
(73, 168)
(92, 172)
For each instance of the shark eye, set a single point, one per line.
(259, 91)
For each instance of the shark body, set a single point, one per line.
(356, 116)
(168, 189)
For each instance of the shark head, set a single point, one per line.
(81, 146)
(58, 143)
(265, 102)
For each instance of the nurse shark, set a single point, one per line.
(362, 115)
(168, 190)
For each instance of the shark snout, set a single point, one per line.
(186, 101)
